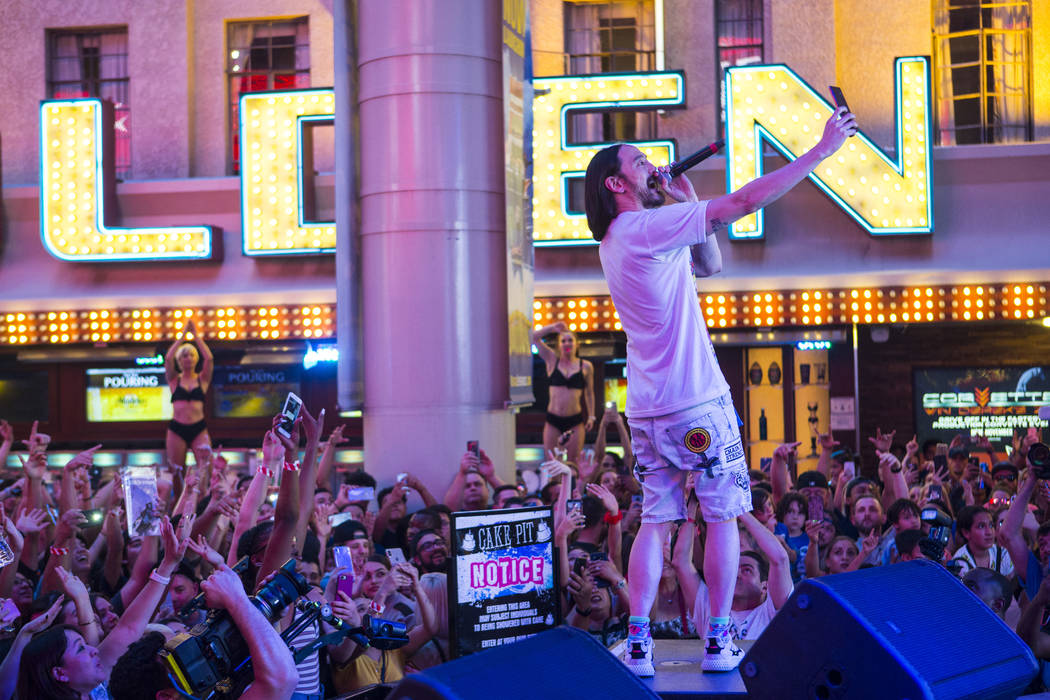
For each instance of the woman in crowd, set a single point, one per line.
(187, 429)
(570, 407)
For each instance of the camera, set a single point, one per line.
(213, 653)
(1039, 458)
(940, 534)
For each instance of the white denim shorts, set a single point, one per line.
(704, 439)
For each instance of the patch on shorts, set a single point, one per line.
(697, 440)
(742, 479)
(734, 452)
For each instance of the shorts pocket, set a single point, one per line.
(700, 443)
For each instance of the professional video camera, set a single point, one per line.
(212, 659)
(1039, 459)
(940, 534)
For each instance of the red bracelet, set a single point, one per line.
(613, 519)
(59, 551)
(266, 471)
(291, 466)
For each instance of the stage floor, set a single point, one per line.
(678, 673)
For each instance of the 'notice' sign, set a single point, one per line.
(501, 588)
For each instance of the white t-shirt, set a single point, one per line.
(743, 624)
(671, 364)
(996, 555)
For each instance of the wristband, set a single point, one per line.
(267, 472)
(622, 583)
(162, 580)
(585, 613)
(59, 551)
(375, 609)
(291, 466)
(612, 519)
(89, 622)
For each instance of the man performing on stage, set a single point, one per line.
(678, 405)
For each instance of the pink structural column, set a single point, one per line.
(433, 250)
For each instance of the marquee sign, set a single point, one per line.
(765, 104)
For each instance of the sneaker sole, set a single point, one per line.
(646, 671)
(719, 665)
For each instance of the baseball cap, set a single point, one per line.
(957, 452)
(811, 478)
(1002, 468)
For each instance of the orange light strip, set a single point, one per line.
(151, 325)
(817, 307)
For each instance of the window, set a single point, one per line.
(264, 55)
(982, 70)
(739, 30)
(610, 37)
(94, 63)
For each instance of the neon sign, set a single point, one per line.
(77, 190)
(885, 196)
(556, 162)
(273, 168)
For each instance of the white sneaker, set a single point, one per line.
(721, 654)
(638, 656)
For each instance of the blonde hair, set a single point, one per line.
(436, 588)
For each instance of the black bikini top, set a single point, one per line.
(574, 381)
(182, 394)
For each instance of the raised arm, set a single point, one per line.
(274, 680)
(827, 447)
(682, 558)
(779, 582)
(454, 495)
(324, 469)
(253, 499)
(133, 622)
(171, 367)
(286, 512)
(7, 439)
(548, 355)
(763, 191)
(207, 360)
(312, 427)
(1010, 534)
(778, 470)
(588, 395)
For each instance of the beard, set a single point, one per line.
(650, 195)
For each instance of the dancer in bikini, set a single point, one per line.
(570, 408)
(187, 428)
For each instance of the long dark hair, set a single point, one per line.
(41, 655)
(598, 200)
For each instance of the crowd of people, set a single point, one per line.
(90, 608)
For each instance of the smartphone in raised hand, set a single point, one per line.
(837, 97)
(292, 405)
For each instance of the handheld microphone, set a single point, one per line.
(701, 155)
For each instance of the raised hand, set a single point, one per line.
(485, 466)
(36, 466)
(68, 524)
(869, 543)
(882, 441)
(7, 433)
(838, 128)
(30, 521)
(223, 588)
(174, 546)
(72, 585)
(569, 524)
(312, 427)
(37, 441)
(271, 448)
(469, 462)
(336, 436)
(322, 528)
(580, 588)
(42, 622)
(344, 608)
(825, 440)
(205, 551)
(784, 451)
(605, 496)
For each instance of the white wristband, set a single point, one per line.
(162, 580)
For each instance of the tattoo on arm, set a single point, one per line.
(717, 224)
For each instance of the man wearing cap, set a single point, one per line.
(1005, 471)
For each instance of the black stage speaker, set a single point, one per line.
(559, 663)
(909, 630)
